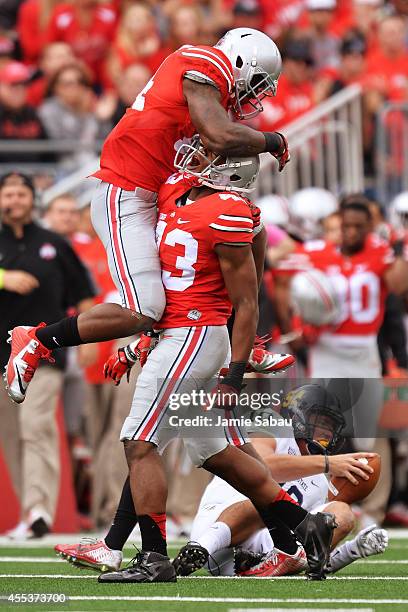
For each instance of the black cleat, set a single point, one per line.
(315, 533)
(244, 560)
(190, 558)
(147, 567)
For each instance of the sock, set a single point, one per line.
(124, 521)
(344, 555)
(63, 333)
(283, 508)
(283, 538)
(153, 530)
(217, 537)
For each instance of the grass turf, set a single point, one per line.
(366, 584)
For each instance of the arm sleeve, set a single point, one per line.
(230, 222)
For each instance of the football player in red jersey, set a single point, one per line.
(192, 91)
(205, 241)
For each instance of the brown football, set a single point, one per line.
(349, 493)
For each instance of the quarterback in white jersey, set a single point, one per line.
(228, 526)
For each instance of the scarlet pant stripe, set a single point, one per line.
(233, 432)
(175, 378)
(129, 292)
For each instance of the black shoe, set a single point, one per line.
(39, 529)
(147, 567)
(246, 559)
(190, 558)
(316, 533)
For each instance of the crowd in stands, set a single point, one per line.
(84, 61)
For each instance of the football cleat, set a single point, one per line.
(26, 353)
(278, 563)
(371, 541)
(190, 558)
(263, 362)
(91, 553)
(146, 567)
(315, 533)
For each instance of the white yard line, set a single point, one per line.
(238, 599)
(94, 576)
(301, 609)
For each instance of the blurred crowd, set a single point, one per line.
(68, 70)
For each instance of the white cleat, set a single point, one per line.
(91, 553)
(372, 541)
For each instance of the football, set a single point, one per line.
(349, 493)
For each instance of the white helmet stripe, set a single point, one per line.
(200, 55)
(327, 300)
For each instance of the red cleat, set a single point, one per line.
(278, 563)
(26, 353)
(264, 362)
(91, 553)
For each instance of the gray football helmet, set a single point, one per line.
(256, 64)
(399, 211)
(223, 173)
(315, 298)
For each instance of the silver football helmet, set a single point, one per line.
(274, 210)
(224, 173)
(399, 211)
(315, 297)
(256, 64)
(307, 209)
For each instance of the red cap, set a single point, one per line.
(13, 73)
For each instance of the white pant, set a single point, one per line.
(125, 221)
(186, 359)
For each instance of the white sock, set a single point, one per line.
(344, 555)
(217, 537)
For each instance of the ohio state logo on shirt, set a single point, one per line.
(47, 251)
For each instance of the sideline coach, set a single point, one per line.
(40, 278)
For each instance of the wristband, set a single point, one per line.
(273, 142)
(2, 278)
(235, 374)
(326, 464)
(129, 352)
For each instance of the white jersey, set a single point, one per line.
(309, 492)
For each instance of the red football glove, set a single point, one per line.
(282, 155)
(144, 347)
(227, 389)
(117, 365)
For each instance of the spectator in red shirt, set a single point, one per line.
(295, 93)
(388, 65)
(33, 20)
(137, 41)
(352, 68)
(186, 27)
(53, 57)
(365, 20)
(89, 27)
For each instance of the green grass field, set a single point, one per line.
(380, 583)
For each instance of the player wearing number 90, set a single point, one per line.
(192, 91)
(226, 519)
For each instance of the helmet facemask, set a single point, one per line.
(249, 92)
(215, 171)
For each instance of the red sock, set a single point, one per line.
(160, 520)
(283, 496)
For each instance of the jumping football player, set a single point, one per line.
(207, 265)
(192, 91)
(228, 527)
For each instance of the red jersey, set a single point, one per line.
(358, 280)
(389, 75)
(140, 150)
(187, 236)
(91, 42)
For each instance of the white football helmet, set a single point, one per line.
(224, 173)
(307, 209)
(256, 64)
(399, 211)
(315, 298)
(274, 210)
